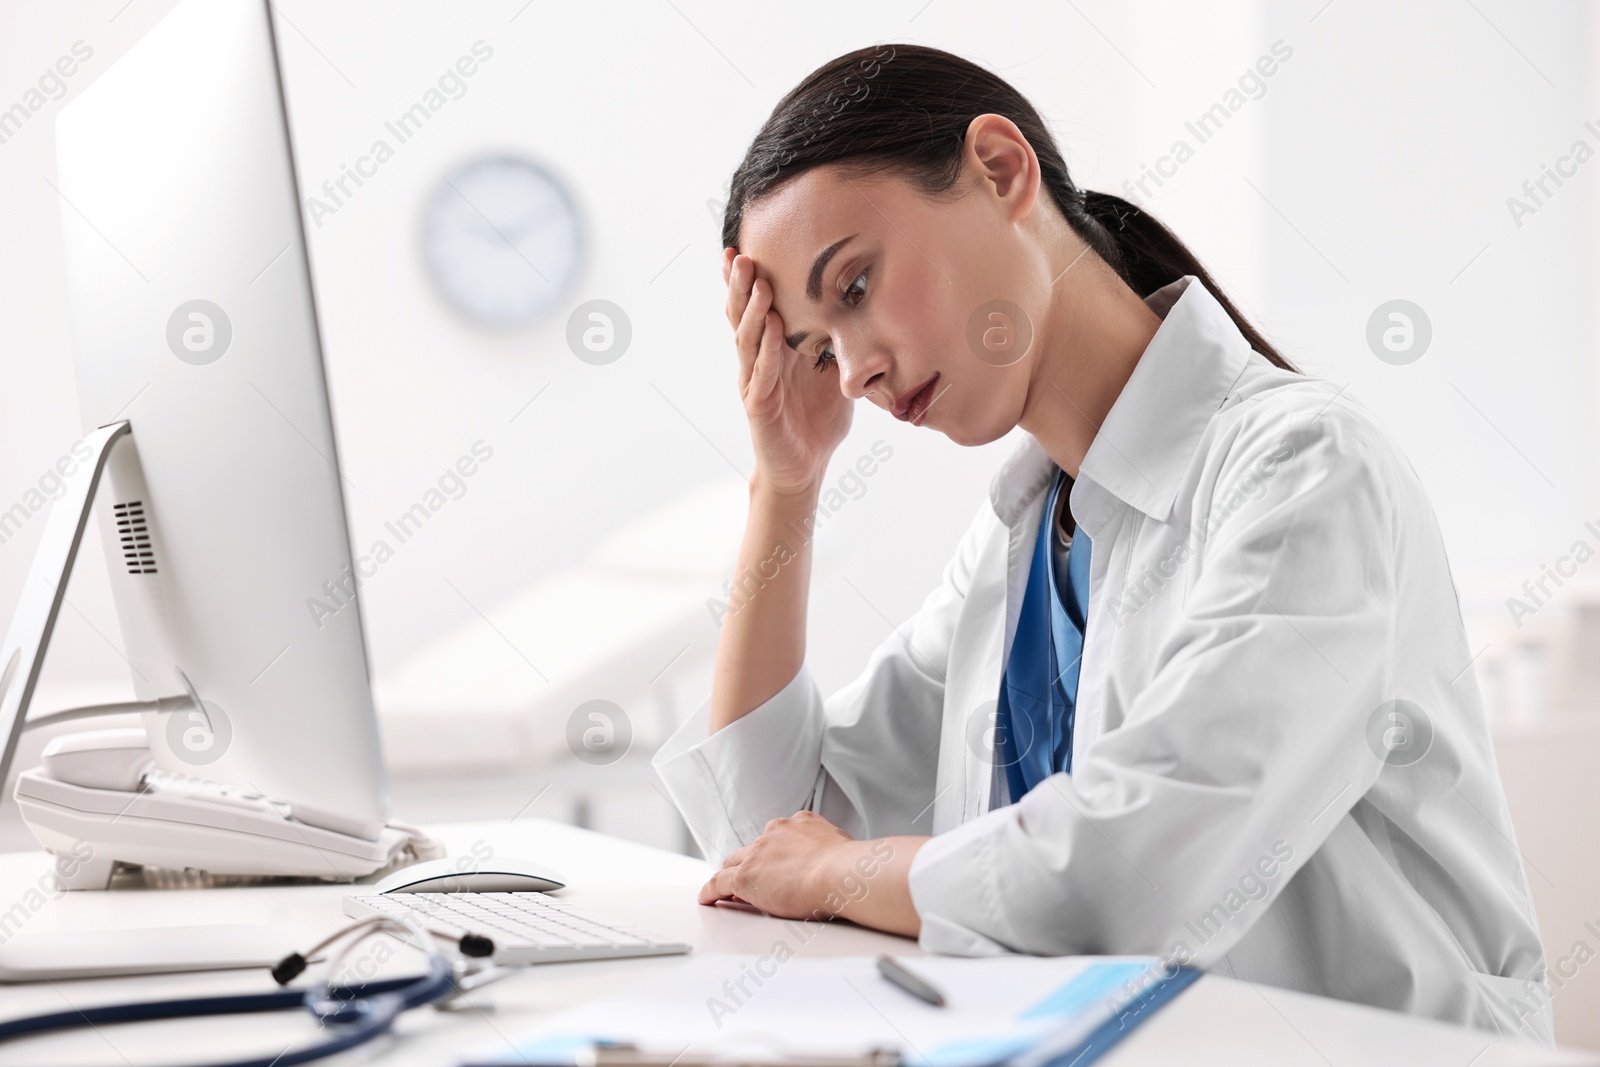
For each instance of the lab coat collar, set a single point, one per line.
(1151, 432)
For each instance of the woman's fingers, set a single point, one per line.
(740, 274)
(720, 886)
(747, 336)
(769, 363)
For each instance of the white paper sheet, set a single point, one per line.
(994, 1007)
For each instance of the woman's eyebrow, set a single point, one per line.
(814, 284)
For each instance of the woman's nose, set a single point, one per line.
(862, 371)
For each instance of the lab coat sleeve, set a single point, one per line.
(1244, 749)
(865, 757)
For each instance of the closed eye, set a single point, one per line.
(851, 297)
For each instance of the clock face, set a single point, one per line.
(502, 240)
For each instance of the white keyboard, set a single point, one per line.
(525, 927)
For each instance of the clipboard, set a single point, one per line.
(779, 1010)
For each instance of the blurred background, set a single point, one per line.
(1437, 153)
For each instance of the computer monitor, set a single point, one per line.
(193, 319)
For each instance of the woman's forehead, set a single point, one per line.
(788, 228)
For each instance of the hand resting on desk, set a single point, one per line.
(804, 867)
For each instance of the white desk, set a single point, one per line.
(1217, 1020)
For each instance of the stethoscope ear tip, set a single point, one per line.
(476, 946)
(289, 968)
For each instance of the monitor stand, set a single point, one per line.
(28, 638)
(200, 832)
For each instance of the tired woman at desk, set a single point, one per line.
(1195, 683)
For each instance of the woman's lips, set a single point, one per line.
(913, 408)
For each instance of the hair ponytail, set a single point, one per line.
(1147, 255)
(906, 108)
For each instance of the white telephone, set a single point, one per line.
(99, 802)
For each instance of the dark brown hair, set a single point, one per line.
(905, 109)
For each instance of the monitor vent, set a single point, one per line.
(136, 550)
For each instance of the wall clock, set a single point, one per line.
(502, 240)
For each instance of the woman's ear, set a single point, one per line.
(1003, 162)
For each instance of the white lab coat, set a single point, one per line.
(1267, 577)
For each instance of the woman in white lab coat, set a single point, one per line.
(1227, 718)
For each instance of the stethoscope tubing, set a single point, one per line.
(355, 1013)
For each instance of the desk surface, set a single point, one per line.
(1217, 1020)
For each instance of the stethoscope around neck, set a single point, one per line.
(350, 1014)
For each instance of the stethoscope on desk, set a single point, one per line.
(352, 1014)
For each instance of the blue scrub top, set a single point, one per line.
(1039, 688)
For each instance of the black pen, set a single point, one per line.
(920, 988)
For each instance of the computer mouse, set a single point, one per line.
(467, 874)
